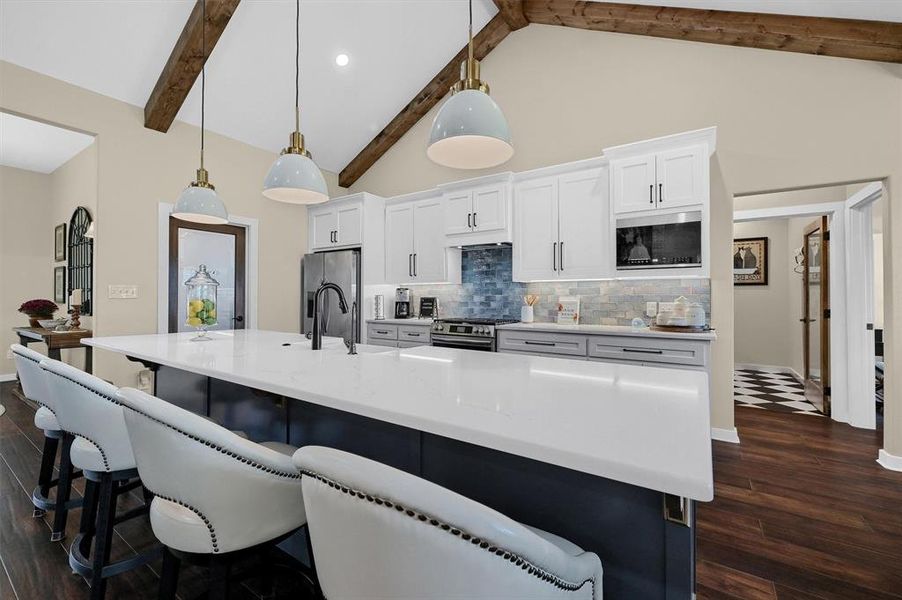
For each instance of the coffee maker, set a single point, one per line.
(402, 303)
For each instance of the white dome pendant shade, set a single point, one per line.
(294, 177)
(470, 131)
(199, 202)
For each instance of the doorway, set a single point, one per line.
(816, 313)
(223, 250)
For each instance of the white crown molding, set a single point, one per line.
(706, 137)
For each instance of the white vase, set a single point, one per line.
(527, 314)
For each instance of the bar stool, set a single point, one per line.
(87, 407)
(34, 384)
(378, 532)
(217, 496)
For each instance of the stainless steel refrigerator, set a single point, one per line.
(341, 267)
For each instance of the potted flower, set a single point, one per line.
(38, 309)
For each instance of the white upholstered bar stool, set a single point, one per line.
(87, 407)
(218, 497)
(36, 389)
(378, 532)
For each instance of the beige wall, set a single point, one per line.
(26, 242)
(139, 168)
(784, 121)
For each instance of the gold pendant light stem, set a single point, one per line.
(296, 140)
(469, 69)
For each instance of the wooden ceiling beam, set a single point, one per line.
(483, 42)
(186, 62)
(512, 12)
(844, 38)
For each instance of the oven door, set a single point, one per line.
(464, 343)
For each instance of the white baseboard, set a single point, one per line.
(725, 435)
(770, 368)
(889, 461)
(7, 377)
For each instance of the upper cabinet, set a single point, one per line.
(562, 225)
(478, 211)
(659, 174)
(415, 247)
(335, 224)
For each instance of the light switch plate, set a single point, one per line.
(125, 292)
(651, 309)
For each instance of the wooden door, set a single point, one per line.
(583, 215)
(816, 313)
(634, 184)
(429, 250)
(536, 230)
(399, 243)
(223, 249)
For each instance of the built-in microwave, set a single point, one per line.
(660, 241)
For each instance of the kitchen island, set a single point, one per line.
(609, 456)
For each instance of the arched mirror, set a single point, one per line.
(81, 259)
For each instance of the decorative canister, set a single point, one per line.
(201, 305)
(527, 314)
(379, 307)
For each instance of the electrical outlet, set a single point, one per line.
(651, 309)
(121, 291)
(665, 306)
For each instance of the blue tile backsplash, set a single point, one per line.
(487, 290)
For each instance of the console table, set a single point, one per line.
(58, 340)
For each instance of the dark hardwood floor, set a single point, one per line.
(802, 512)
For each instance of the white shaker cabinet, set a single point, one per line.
(478, 211)
(660, 180)
(415, 245)
(633, 183)
(335, 224)
(562, 227)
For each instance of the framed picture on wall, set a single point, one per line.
(750, 261)
(59, 285)
(59, 242)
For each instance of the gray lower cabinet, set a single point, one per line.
(621, 349)
(398, 336)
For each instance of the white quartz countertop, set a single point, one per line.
(644, 426)
(414, 322)
(608, 330)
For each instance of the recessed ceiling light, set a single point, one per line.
(342, 60)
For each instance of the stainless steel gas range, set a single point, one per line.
(467, 334)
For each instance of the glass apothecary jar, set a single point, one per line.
(201, 304)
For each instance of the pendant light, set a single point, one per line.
(198, 202)
(470, 131)
(294, 177)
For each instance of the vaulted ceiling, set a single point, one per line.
(395, 47)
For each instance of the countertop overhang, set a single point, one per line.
(645, 426)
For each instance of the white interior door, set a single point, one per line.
(679, 175)
(585, 249)
(428, 242)
(458, 211)
(634, 184)
(399, 243)
(489, 208)
(536, 230)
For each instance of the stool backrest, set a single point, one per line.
(32, 377)
(86, 406)
(378, 532)
(244, 491)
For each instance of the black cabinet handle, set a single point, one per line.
(469, 220)
(660, 192)
(562, 256)
(414, 264)
(410, 265)
(554, 256)
(381, 332)
(639, 351)
(238, 319)
(651, 194)
(532, 343)
(474, 221)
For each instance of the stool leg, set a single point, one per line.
(63, 491)
(219, 579)
(45, 475)
(106, 515)
(169, 577)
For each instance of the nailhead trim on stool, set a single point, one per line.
(521, 562)
(198, 513)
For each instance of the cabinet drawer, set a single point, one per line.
(540, 342)
(377, 342)
(412, 344)
(382, 332)
(407, 333)
(546, 355)
(649, 351)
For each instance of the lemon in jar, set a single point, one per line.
(194, 322)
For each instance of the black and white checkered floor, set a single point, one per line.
(771, 391)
